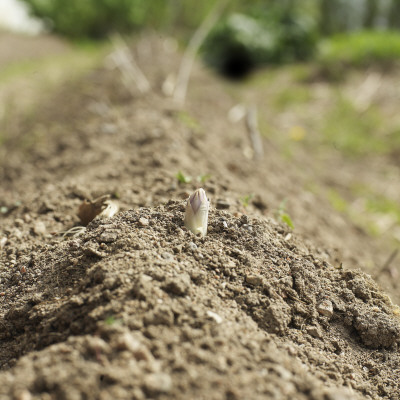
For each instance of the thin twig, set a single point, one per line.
(385, 266)
(193, 47)
(254, 133)
(125, 61)
(73, 232)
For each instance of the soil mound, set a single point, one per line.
(147, 309)
(135, 306)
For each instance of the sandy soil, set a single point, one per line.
(136, 307)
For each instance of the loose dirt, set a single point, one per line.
(135, 306)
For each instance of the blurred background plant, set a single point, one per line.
(250, 33)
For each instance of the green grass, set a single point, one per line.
(393, 138)
(111, 320)
(377, 203)
(182, 178)
(352, 132)
(361, 49)
(245, 200)
(340, 123)
(358, 217)
(299, 73)
(188, 121)
(97, 19)
(337, 201)
(203, 178)
(291, 96)
(283, 215)
(366, 208)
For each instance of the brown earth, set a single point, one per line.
(136, 307)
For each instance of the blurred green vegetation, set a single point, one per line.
(373, 212)
(360, 49)
(257, 32)
(377, 203)
(289, 97)
(92, 18)
(352, 133)
(244, 41)
(96, 19)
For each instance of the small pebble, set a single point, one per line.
(178, 285)
(74, 244)
(108, 128)
(325, 308)
(143, 221)
(23, 395)
(255, 280)
(247, 227)
(222, 204)
(291, 350)
(314, 331)
(244, 219)
(192, 246)
(3, 242)
(157, 383)
(217, 318)
(340, 394)
(19, 222)
(39, 228)
(198, 277)
(177, 249)
(127, 342)
(167, 256)
(91, 251)
(288, 237)
(236, 252)
(108, 237)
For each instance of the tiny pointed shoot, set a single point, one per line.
(196, 216)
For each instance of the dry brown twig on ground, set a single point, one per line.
(185, 69)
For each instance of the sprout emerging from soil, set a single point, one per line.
(196, 216)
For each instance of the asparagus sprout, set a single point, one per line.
(196, 216)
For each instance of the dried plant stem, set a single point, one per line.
(189, 55)
(386, 266)
(73, 232)
(254, 133)
(125, 62)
